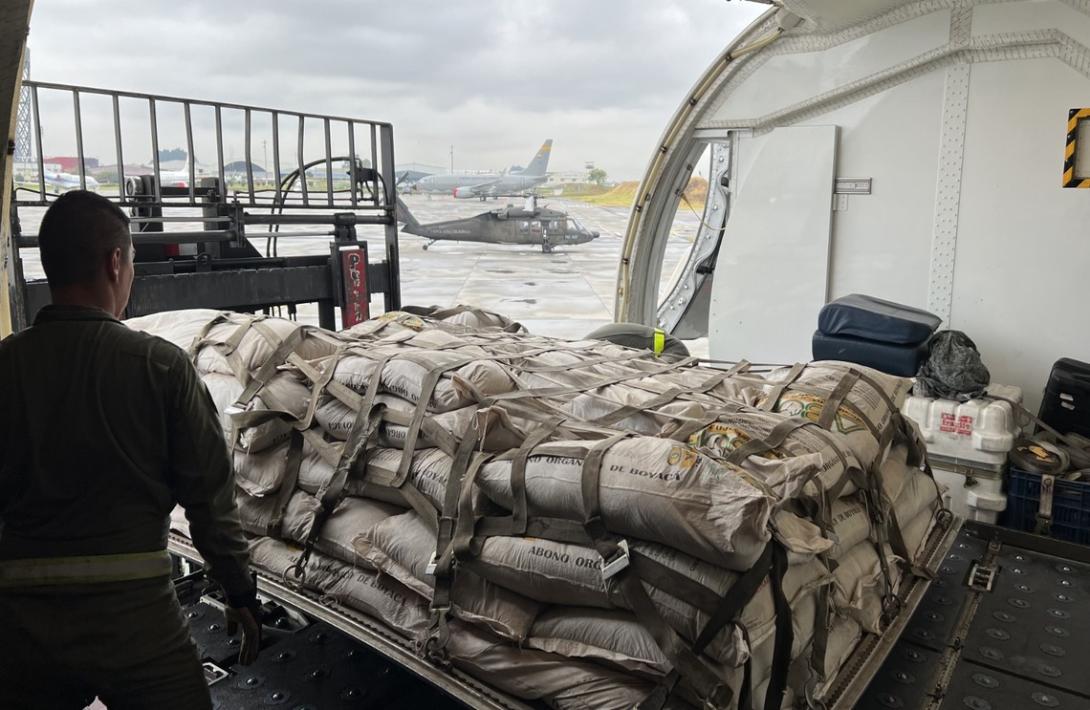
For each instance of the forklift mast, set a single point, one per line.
(210, 237)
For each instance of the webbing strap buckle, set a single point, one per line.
(1044, 508)
(435, 642)
(617, 563)
(429, 569)
(295, 575)
(891, 607)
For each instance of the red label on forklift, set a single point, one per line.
(948, 423)
(357, 306)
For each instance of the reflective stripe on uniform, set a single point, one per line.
(660, 341)
(85, 569)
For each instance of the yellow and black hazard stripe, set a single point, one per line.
(1074, 116)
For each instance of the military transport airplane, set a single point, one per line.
(485, 185)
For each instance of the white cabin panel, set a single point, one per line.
(882, 241)
(771, 274)
(835, 13)
(784, 80)
(1020, 17)
(1022, 271)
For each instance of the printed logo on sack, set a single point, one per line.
(720, 439)
(402, 318)
(682, 456)
(809, 406)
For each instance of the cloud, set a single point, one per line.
(491, 77)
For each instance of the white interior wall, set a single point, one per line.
(1022, 271)
(1021, 286)
(1023, 16)
(882, 241)
(786, 79)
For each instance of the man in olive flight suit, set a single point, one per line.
(102, 431)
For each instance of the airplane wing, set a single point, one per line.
(484, 188)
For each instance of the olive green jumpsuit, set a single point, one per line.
(102, 431)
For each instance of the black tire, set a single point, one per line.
(635, 335)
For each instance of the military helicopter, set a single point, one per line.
(529, 224)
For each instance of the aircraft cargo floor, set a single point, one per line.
(1020, 645)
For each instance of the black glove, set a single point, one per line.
(244, 610)
(249, 619)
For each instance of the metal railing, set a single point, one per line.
(369, 186)
(207, 219)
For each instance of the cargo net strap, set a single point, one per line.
(322, 381)
(884, 521)
(687, 663)
(836, 399)
(460, 530)
(539, 397)
(615, 565)
(624, 570)
(369, 417)
(441, 567)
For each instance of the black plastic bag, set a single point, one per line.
(953, 369)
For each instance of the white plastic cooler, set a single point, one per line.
(967, 444)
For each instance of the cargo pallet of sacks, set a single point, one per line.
(574, 523)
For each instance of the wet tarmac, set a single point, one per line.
(566, 293)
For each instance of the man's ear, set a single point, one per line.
(114, 261)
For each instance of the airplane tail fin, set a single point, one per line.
(405, 216)
(540, 163)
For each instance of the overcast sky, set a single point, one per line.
(492, 77)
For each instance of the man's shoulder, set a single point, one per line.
(13, 344)
(13, 341)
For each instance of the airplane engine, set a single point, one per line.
(464, 193)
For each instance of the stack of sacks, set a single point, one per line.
(461, 381)
(869, 561)
(860, 430)
(469, 317)
(700, 522)
(694, 482)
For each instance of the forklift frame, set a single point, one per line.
(217, 266)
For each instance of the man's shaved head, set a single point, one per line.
(79, 229)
